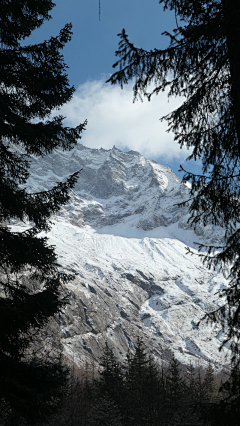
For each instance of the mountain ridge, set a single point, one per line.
(124, 235)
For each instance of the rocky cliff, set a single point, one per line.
(124, 236)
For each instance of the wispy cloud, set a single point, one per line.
(113, 119)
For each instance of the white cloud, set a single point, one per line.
(113, 119)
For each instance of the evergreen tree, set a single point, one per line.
(200, 388)
(110, 383)
(194, 396)
(227, 411)
(210, 385)
(176, 392)
(147, 396)
(191, 381)
(111, 376)
(134, 395)
(137, 361)
(33, 82)
(175, 382)
(155, 394)
(142, 389)
(201, 64)
(110, 365)
(105, 412)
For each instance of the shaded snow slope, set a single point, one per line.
(124, 235)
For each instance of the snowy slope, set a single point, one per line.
(124, 235)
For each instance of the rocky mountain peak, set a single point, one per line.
(125, 236)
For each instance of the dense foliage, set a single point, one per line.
(141, 392)
(33, 82)
(202, 65)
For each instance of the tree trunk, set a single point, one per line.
(231, 10)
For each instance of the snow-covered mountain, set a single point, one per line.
(126, 238)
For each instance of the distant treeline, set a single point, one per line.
(142, 393)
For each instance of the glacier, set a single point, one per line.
(124, 236)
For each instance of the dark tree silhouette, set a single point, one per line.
(33, 82)
(202, 64)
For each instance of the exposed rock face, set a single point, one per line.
(125, 237)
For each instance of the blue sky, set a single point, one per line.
(113, 119)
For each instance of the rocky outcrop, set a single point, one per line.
(125, 237)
